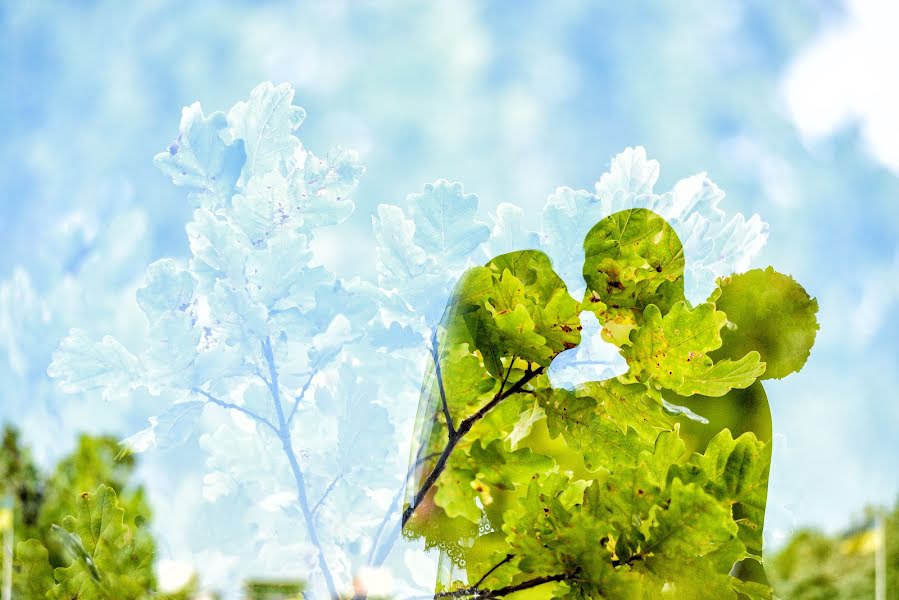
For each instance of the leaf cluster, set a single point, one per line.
(85, 524)
(595, 492)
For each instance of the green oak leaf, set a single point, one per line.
(736, 472)
(632, 258)
(109, 559)
(671, 352)
(504, 470)
(609, 422)
(629, 405)
(540, 530)
(669, 449)
(465, 382)
(751, 590)
(585, 427)
(482, 472)
(515, 306)
(627, 497)
(525, 424)
(770, 313)
(34, 575)
(456, 494)
(512, 320)
(690, 539)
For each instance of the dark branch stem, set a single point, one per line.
(502, 386)
(492, 569)
(287, 444)
(464, 427)
(231, 406)
(446, 412)
(475, 592)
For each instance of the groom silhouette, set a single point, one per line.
(488, 419)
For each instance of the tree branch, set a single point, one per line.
(502, 386)
(231, 406)
(464, 427)
(328, 491)
(302, 394)
(446, 411)
(287, 444)
(475, 592)
(492, 569)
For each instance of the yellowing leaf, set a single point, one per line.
(633, 258)
(672, 352)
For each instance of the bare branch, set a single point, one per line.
(287, 444)
(232, 406)
(302, 394)
(328, 491)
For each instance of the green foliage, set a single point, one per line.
(19, 479)
(107, 559)
(85, 526)
(514, 307)
(671, 352)
(94, 462)
(35, 575)
(770, 313)
(815, 566)
(632, 259)
(274, 590)
(607, 490)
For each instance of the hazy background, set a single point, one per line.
(790, 107)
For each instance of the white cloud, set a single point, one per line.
(848, 76)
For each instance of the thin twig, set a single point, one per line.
(238, 408)
(502, 386)
(475, 592)
(492, 569)
(446, 411)
(302, 394)
(328, 491)
(287, 444)
(464, 427)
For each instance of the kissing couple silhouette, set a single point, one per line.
(650, 484)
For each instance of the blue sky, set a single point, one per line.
(788, 106)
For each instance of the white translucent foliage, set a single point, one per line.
(714, 245)
(423, 250)
(199, 160)
(237, 335)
